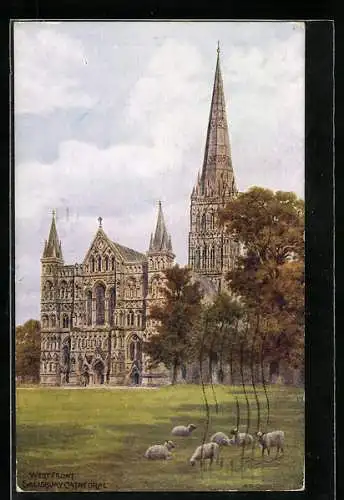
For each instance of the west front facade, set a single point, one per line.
(94, 315)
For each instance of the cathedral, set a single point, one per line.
(95, 315)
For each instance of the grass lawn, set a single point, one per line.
(99, 437)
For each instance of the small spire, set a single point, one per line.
(160, 241)
(100, 219)
(53, 247)
(218, 48)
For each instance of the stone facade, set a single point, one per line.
(94, 315)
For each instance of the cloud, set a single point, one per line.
(45, 67)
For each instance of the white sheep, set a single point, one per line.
(268, 440)
(222, 439)
(182, 430)
(241, 438)
(160, 451)
(207, 451)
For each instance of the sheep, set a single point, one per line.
(241, 438)
(182, 430)
(222, 439)
(268, 440)
(207, 451)
(160, 451)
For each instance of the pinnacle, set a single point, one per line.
(52, 247)
(161, 241)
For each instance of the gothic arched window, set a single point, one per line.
(106, 263)
(198, 219)
(204, 256)
(99, 263)
(65, 321)
(112, 304)
(100, 305)
(132, 351)
(53, 320)
(155, 288)
(139, 320)
(113, 263)
(63, 290)
(93, 264)
(89, 307)
(138, 350)
(197, 258)
(204, 222)
(212, 257)
(130, 318)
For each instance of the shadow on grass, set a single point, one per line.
(48, 436)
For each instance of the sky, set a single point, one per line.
(110, 117)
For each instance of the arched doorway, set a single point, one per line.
(135, 376)
(85, 378)
(274, 371)
(98, 372)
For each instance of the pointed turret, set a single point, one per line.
(52, 247)
(217, 165)
(161, 241)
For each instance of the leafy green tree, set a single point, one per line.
(172, 345)
(269, 277)
(217, 335)
(27, 356)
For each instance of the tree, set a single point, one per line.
(172, 344)
(218, 332)
(269, 276)
(27, 356)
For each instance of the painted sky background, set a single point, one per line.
(110, 117)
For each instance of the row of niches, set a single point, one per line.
(158, 263)
(121, 319)
(133, 288)
(99, 264)
(204, 220)
(65, 271)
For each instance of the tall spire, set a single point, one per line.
(217, 162)
(161, 241)
(52, 247)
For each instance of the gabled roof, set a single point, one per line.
(122, 253)
(128, 254)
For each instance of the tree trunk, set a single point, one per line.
(210, 367)
(174, 372)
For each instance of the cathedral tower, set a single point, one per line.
(160, 257)
(211, 251)
(51, 266)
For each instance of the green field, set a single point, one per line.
(99, 437)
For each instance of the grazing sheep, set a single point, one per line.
(241, 438)
(207, 451)
(182, 430)
(221, 439)
(160, 451)
(268, 440)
